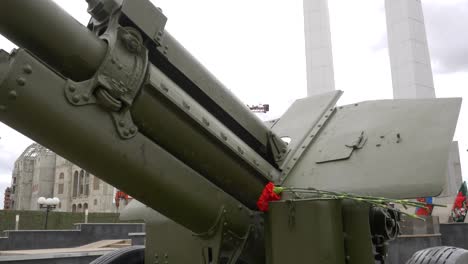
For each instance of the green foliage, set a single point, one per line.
(34, 220)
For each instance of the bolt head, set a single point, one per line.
(76, 99)
(27, 69)
(72, 88)
(21, 81)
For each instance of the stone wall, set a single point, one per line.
(81, 235)
(34, 220)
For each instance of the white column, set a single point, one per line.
(319, 60)
(411, 68)
(408, 49)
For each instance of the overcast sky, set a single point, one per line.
(256, 48)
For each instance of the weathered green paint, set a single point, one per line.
(404, 150)
(305, 231)
(87, 136)
(356, 227)
(165, 123)
(45, 29)
(206, 182)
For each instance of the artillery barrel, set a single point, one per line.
(172, 164)
(75, 52)
(51, 34)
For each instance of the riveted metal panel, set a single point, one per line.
(85, 135)
(405, 154)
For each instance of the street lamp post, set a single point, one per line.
(48, 204)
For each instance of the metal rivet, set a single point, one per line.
(239, 207)
(3, 108)
(319, 126)
(303, 147)
(295, 159)
(133, 130)
(72, 88)
(166, 256)
(121, 123)
(164, 87)
(186, 106)
(382, 136)
(21, 81)
(76, 99)
(85, 97)
(27, 69)
(12, 94)
(356, 104)
(206, 122)
(240, 150)
(225, 223)
(126, 132)
(326, 116)
(223, 136)
(378, 145)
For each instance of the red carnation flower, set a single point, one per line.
(269, 193)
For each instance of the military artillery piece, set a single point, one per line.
(123, 99)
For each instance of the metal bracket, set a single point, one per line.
(289, 165)
(220, 244)
(359, 142)
(277, 147)
(118, 79)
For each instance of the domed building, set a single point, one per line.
(40, 172)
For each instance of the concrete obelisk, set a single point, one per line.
(319, 61)
(411, 68)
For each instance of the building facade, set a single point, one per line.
(7, 199)
(39, 172)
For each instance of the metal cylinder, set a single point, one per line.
(51, 34)
(32, 102)
(166, 124)
(74, 51)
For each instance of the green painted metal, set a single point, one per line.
(358, 243)
(191, 75)
(171, 135)
(166, 124)
(86, 135)
(389, 148)
(305, 231)
(51, 34)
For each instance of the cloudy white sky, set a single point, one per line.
(256, 48)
